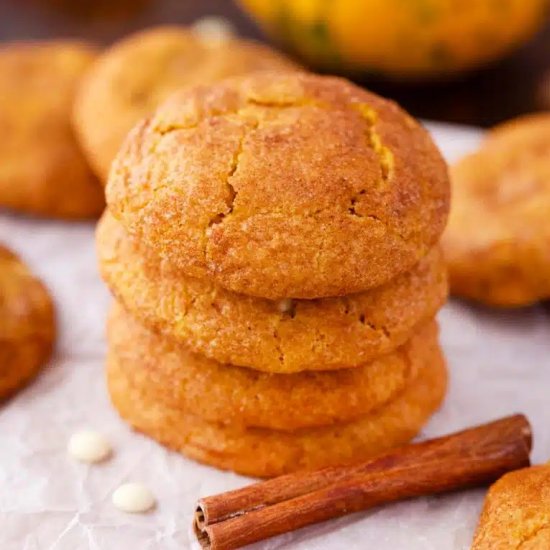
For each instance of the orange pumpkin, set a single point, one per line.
(400, 38)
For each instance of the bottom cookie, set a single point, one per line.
(263, 452)
(27, 327)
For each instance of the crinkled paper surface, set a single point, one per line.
(499, 362)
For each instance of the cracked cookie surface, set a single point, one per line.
(504, 260)
(273, 336)
(516, 513)
(170, 374)
(27, 326)
(131, 78)
(282, 186)
(42, 170)
(264, 452)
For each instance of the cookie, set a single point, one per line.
(263, 452)
(526, 129)
(27, 326)
(282, 186)
(170, 374)
(497, 244)
(42, 170)
(132, 77)
(273, 336)
(516, 513)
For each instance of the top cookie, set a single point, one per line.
(505, 187)
(282, 185)
(42, 170)
(516, 514)
(130, 79)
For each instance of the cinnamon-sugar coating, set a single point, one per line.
(170, 374)
(273, 336)
(516, 513)
(263, 452)
(282, 186)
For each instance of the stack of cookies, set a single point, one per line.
(271, 242)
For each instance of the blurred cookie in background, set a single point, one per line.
(130, 79)
(42, 170)
(497, 243)
(27, 326)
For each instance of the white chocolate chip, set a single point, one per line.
(285, 305)
(213, 29)
(88, 446)
(134, 498)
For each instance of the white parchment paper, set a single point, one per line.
(499, 362)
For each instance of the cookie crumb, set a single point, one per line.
(134, 498)
(89, 446)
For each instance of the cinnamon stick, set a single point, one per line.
(476, 456)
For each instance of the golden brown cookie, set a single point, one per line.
(282, 186)
(132, 77)
(263, 452)
(170, 374)
(27, 326)
(516, 514)
(283, 336)
(42, 170)
(497, 243)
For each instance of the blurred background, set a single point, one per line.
(498, 70)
